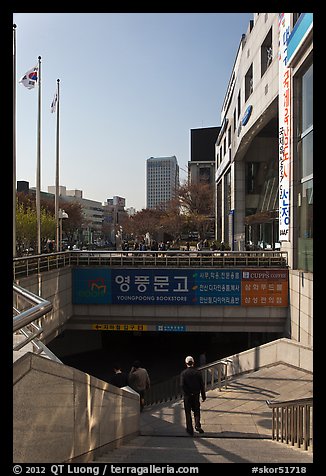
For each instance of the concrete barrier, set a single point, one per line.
(61, 414)
(281, 350)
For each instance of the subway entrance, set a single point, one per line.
(161, 353)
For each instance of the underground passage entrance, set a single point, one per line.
(161, 353)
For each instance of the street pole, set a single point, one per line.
(57, 174)
(38, 165)
(14, 147)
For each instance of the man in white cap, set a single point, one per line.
(192, 385)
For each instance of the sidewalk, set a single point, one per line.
(237, 424)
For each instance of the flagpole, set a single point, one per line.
(14, 147)
(38, 165)
(57, 174)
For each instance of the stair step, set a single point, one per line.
(166, 450)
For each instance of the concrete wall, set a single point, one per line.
(300, 325)
(55, 286)
(280, 350)
(62, 414)
(195, 318)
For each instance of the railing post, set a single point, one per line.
(226, 376)
(273, 423)
(292, 425)
(219, 377)
(277, 423)
(282, 424)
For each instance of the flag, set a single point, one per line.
(30, 78)
(54, 102)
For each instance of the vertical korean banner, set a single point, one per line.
(284, 128)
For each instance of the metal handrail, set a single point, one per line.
(214, 376)
(24, 321)
(39, 309)
(28, 265)
(292, 421)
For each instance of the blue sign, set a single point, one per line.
(153, 286)
(299, 34)
(246, 115)
(171, 328)
(220, 286)
(157, 286)
(91, 286)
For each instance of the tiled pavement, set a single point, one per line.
(237, 424)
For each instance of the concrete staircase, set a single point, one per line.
(237, 424)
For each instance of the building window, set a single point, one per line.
(219, 212)
(227, 193)
(266, 52)
(249, 83)
(305, 170)
(252, 185)
(295, 18)
(239, 103)
(227, 208)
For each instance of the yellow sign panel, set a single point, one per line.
(119, 327)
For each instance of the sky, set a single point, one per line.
(132, 86)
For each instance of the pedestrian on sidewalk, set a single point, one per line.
(192, 386)
(120, 378)
(139, 380)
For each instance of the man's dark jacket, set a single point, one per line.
(192, 383)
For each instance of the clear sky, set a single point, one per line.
(132, 86)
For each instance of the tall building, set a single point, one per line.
(162, 177)
(201, 167)
(264, 167)
(113, 215)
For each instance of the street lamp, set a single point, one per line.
(62, 215)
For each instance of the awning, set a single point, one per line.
(261, 217)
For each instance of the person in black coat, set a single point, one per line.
(192, 385)
(119, 379)
(139, 380)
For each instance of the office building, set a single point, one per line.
(162, 181)
(114, 214)
(201, 167)
(264, 152)
(92, 212)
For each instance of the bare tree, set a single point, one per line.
(197, 204)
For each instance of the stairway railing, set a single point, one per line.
(27, 309)
(30, 265)
(292, 422)
(215, 375)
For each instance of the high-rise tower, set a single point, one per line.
(162, 175)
